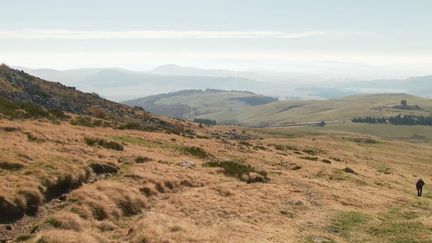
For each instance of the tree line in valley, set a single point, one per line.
(396, 120)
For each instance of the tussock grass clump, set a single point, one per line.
(186, 182)
(136, 126)
(20, 195)
(105, 200)
(311, 158)
(338, 175)
(107, 168)
(68, 236)
(160, 187)
(11, 211)
(66, 220)
(89, 122)
(168, 184)
(142, 159)
(103, 143)
(10, 129)
(148, 191)
(23, 237)
(196, 152)
(363, 140)
(105, 226)
(309, 151)
(350, 171)
(259, 147)
(243, 172)
(35, 139)
(63, 184)
(282, 147)
(245, 143)
(11, 166)
(30, 199)
(82, 121)
(26, 202)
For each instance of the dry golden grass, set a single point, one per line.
(166, 199)
(68, 236)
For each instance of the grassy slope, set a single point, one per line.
(306, 111)
(201, 102)
(223, 107)
(210, 102)
(418, 134)
(162, 200)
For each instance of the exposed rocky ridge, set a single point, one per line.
(19, 86)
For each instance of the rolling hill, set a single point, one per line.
(19, 86)
(23, 95)
(188, 104)
(232, 107)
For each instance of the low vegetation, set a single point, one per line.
(15, 110)
(11, 166)
(103, 143)
(205, 121)
(196, 152)
(344, 223)
(397, 120)
(243, 172)
(142, 159)
(312, 158)
(90, 122)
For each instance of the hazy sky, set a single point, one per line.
(335, 38)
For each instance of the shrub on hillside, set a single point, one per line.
(196, 151)
(17, 110)
(135, 126)
(142, 159)
(89, 122)
(309, 158)
(11, 166)
(107, 168)
(82, 121)
(243, 172)
(205, 121)
(103, 143)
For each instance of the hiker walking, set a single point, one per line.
(419, 185)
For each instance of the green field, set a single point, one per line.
(410, 133)
(284, 112)
(249, 109)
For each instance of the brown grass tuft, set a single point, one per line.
(108, 200)
(148, 191)
(66, 220)
(68, 236)
(11, 166)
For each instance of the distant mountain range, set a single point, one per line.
(122, 84)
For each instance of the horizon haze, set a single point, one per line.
(330, 39)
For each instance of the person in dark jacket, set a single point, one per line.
(419, 185)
